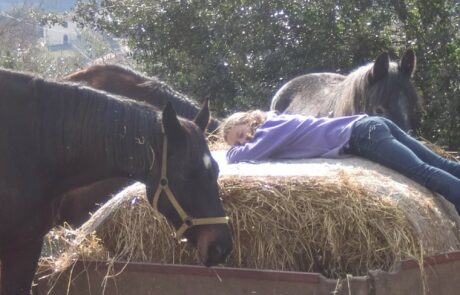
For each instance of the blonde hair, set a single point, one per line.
(252, 118)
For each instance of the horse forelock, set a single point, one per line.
(197, 147)
(391, 89)
(392, 96)
(195, 140)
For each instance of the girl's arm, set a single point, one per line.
(267, 140)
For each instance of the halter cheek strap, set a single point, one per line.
(187, 220)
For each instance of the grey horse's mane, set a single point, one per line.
(356, 85)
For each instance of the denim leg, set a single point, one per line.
(372, 139)
(424, 153)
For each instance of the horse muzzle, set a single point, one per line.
(214, 243)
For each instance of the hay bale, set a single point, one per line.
(328, 216)
(327, 226)
(135, 231)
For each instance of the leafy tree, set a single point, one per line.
(431, 27)
(239, 52)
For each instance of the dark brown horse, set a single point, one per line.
(381, 88)
(56, 138)
(126, 82)
(76, 206)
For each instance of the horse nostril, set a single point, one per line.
(219, 251)
(216, 255)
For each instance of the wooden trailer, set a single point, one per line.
(442, 277)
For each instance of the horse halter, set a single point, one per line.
(187, 220)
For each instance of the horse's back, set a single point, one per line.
(306, 94)
(109, 77)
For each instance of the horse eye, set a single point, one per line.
(379, 111)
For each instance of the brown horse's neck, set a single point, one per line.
(126, 82)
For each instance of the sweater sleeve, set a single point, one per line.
(267, 140)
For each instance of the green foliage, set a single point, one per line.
(239, 52)
(7, 60)
(431, 27)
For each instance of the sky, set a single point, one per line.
(52, 5)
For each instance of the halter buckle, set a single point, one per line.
(188, 221)
(163, 182)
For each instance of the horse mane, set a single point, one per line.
(183, 105)
(354, 86)
(91, 122)
(140, 78)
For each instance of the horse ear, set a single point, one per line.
(202, 119)
(171, 124)
(408, 62)
(380, 68)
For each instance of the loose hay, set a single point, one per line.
(440, 150)
(63, 246)
(327, 225)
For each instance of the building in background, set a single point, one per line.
(51, 50)
(61, 36)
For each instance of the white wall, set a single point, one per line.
(57, 34)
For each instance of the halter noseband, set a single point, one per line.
(187, 220)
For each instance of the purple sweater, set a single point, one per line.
(289, 136)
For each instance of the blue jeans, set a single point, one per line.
(380, 140)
